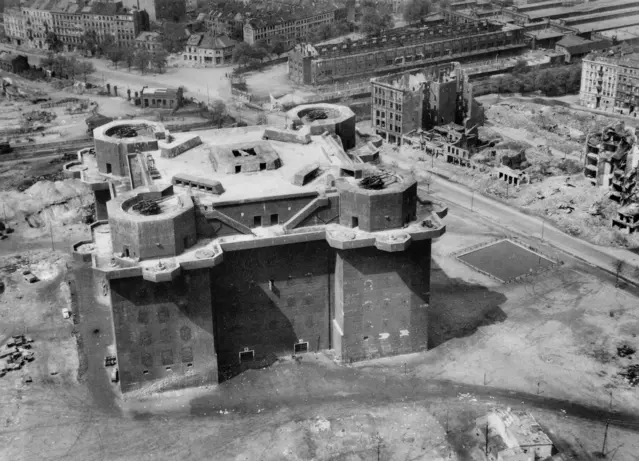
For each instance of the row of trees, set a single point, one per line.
(67, 67)
(142, 59)
(551, 82)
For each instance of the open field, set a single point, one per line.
(553, 335)
(551, 134)
(505, 260)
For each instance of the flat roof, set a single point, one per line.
(196, 162)
(608, 24)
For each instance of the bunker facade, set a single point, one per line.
(210, 270)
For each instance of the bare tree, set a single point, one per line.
(619, 266)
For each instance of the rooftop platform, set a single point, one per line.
(197, 162)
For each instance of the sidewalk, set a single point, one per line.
(613, 260)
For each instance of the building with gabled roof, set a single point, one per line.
(208, 50)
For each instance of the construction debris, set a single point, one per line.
(625, 351)
(631, 374)
(16, 354)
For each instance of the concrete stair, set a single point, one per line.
(305, 212)
(238, 226)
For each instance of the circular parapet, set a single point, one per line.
(117, 139)
(74, 169)
(393, 242)
(333, 118)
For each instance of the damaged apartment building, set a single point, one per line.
(612, 158)
(232, 248)
(441, 40)
(432, 104)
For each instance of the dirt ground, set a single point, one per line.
(552, 135)
(554, 335)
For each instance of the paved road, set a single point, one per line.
(606, 258)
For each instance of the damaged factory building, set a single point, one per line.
(435, 103)
(234, 248)
(611, 161)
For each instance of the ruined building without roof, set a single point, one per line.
(437, 96)
(442, 40)
(611, 162)
(231, 248)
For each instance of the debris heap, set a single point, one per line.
(16, 353)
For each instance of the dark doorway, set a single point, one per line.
(354, 221)
(257, 221)
(301, 348)
(247, 356)
(108, 168)
(275, 219)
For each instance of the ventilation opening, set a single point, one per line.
(365, 338)
(262, 166)
(348, 173)
(275, 219)
(247, 356)
(145, 372)
(238, 168)
(354, 222)
(257, 221)
(236, 153)
(300, 348)
(189, 364)
(168, 368)
(250, 151)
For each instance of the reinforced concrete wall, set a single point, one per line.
(156, 236)
(285, 209)
(381, 302)
(164, 330)
(377, 210)
(252, 313)
(111, 157)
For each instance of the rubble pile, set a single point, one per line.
(16, 354)
(631, 374)
(39, 116)
(517, 161)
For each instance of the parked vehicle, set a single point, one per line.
(5, 148)
(30, 276)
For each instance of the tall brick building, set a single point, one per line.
(420, 100)
(209, 271)
(441, 41)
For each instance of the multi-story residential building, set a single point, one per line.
(399, 50)
(159, 9)
(68, 23)
(149, 41)
(228, 21)
(610, 83)
(291, 27)
(209, 50)
(421, 100)
(30, 23)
